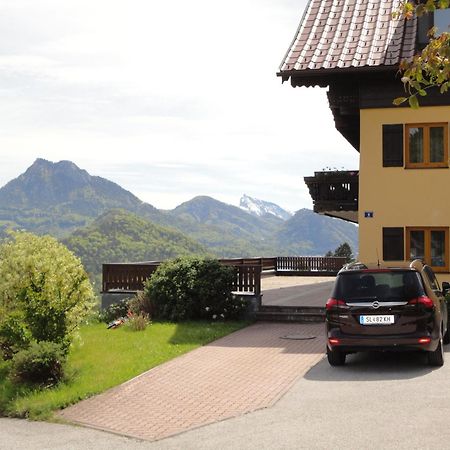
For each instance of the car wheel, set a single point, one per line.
(336, 357)
(436, 358)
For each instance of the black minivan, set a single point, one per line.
(384, 308)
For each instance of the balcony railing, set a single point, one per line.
(122, 278)
(335, 193)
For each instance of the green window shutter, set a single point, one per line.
(393, 244)
(393, 145)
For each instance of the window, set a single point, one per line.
(442, 20)
(426, 145)
(363, 286)
(429, 245)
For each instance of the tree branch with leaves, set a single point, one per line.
(431, 67)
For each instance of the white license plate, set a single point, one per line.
(376, 320)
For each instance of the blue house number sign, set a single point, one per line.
(368, 214)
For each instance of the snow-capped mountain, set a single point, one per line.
(260, 208)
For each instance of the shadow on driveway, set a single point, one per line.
(289, 338)
(373, 366)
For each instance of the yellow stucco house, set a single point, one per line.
(400, 195)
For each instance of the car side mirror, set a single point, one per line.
(445, 287)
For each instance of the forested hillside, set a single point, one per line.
(121, 236)
(308, 233)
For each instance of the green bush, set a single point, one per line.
(14, 334)
(41, 363)
(193, 288)
(115, 311)
(44, 292)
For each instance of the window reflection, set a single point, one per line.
(436, 144)
(416, 145)
(417, 246)
(438, 248)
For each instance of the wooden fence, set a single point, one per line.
(126, 277)
(265, 263)
(247, 279)
(131, 277)
(310, 264)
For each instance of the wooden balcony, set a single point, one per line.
(335, 193)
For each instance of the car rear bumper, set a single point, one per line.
(352, 343)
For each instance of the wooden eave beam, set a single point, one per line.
(323, 77)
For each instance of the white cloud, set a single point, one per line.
(184, 93)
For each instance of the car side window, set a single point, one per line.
(431, 277)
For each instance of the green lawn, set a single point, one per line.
(101, 358)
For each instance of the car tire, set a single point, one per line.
(436, 358)
(335, 357)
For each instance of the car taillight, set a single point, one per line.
(334, 341)
(332, 303)
(425, 340)
(425, 301)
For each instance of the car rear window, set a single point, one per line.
(380, 285)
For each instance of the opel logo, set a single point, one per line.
(375, 305)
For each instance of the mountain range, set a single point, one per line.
(102, 222)
(262, 208)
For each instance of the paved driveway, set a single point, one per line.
(242, 372)
(390, 401)
(387, 401)
(296, 291)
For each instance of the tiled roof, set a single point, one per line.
(349, 34)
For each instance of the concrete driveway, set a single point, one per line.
(388, 401)
(296, 291)
(391, 401)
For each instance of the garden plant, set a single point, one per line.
(44, 296)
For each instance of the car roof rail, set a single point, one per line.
(354, 266)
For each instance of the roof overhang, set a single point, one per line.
(325, 77)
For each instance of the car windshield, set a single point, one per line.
(382, 285)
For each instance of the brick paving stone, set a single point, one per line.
(244, 371)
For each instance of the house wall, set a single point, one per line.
(398, 197)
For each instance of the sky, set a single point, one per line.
(168, 99)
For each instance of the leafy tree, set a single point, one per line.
(430, 68)
(44, 292)
(344, 250)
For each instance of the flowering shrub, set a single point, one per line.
(193, 288)
(44, 292)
